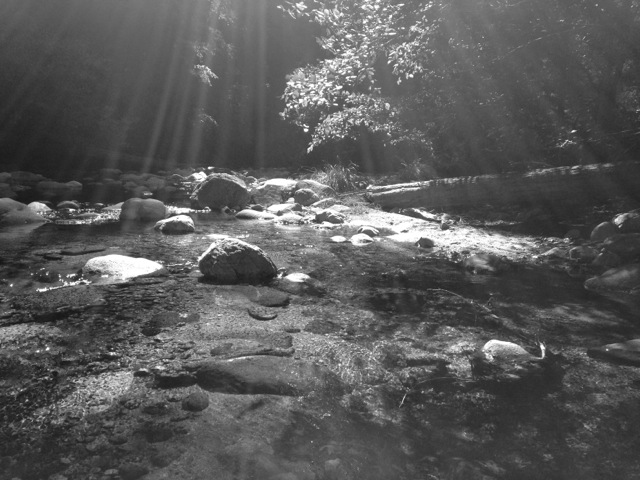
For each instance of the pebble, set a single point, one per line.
(196, 402)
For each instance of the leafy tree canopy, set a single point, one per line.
(471, 86)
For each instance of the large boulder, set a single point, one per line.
(273, 191)
(625, 279)
(221, 190)
(176, 225)
(143, 210)
(628, 222)
(305, 197)
(229, 261)
(16, 213)
(625, 245)
(319, 188)
(603, 231)
(117, 268)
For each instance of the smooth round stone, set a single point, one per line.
(339, 239)
(361, 239)
(196, 402)
(368, 230)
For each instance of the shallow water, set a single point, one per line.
(412, 297)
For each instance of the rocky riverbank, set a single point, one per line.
(380, 345)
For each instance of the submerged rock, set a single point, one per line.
(627, 353)
(330, 216)
(176, 225)
(485, 263)
(121, 267)
(230, 260)
(264, 374)
(628, 222)
(625, 279)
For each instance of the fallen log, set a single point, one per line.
(569, 185)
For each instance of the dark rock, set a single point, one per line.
(263, 375)
(625, 353)
(178, 224)
(132, 471)
(174, 379)
(230, 260)
(485, 263)
(330, 216)
(16, 213)
(626, 245)
(424, 242)
(628, 222)
(305, 197)
(625, 279)
(261, 313)
(221, 190)
(196, 402)
(143, 210)
(603, 231)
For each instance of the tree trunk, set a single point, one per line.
(568, 185)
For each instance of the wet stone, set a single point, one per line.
(261, 313)
(196, 402)
(132, 471)
(263, 375)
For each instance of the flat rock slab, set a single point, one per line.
(263, 375)
(626, 353)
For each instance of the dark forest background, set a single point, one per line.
(443, 88)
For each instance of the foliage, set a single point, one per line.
(339, 177)
(473, 85)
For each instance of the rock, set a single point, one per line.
(121, 268)
(330, 216)
(68, 204)
(49, 189)
(583, 253)
(485, 263)
(628, 222)
(26, 178)
(361, 239)
(282, 208)
(39, 207)
(196, 402)
(626, 353)
(262, 313)
(555, 252)
(143, 210)
(16, 213)
(603, 231)
(132, 471)
(267, 297)
(339, 239)
(251, 214)
(274, 191)
(301, 283)
(573, 234)
(179, 224)
(424, 242)
(221, 190)
(290, 219)
(320, 189)
(607, 260)
(264, 374)
(230, 260)
(305, 197)
(625, 245)
(369, 230)
(625, 279)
